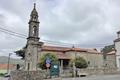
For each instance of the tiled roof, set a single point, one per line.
(117, 40)
(118, 32)
(66, 49)
(4, 66)
(61, 51)
(54, 48)
(111, 53)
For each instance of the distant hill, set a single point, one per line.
(4, 60)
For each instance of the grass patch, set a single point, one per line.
(2, 72)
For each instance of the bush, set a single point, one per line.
(1, 74)
(79, 62)
(52, 57)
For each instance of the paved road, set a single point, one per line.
(102, 77)
(106, 77)
(2, 78)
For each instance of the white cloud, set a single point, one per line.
(87, 22)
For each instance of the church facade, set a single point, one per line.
(65, 54)
(35, 49)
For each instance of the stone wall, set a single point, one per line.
(111, 61)
(27, 75)
(99, 71)
(94, 59)
(89, 72)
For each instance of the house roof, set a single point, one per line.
(118, 32)
(111, 53)
(61, 50)
(54, 48)
(117, 40)
(66, 49)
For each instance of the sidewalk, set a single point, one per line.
(95, 77)
(54, 79)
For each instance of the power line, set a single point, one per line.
(11, 33)
(47, 41)
(24, 36)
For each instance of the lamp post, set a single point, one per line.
(8, 62)
(74, 67)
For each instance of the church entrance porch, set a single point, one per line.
(64, 64)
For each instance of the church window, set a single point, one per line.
(34, 31)
(35, 17)
(29, 54)
(28, 66)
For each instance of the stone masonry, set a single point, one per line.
(30, 71)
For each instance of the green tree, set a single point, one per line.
(52, 58)
(21, 52)
(80, 62)
(108, 48)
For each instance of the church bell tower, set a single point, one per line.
(31, 52)
(34, 25)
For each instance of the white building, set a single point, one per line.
(117, 48)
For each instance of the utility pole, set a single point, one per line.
(8, 62)
(74, 67)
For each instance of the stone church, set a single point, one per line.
(35, 49)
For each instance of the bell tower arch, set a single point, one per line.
(34, 24)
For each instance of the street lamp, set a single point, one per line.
(8, 62)
(74, 67)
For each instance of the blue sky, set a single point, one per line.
(87, 23)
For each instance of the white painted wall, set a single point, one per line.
(117, 47)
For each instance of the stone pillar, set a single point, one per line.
(61, 66)
(74, 69)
